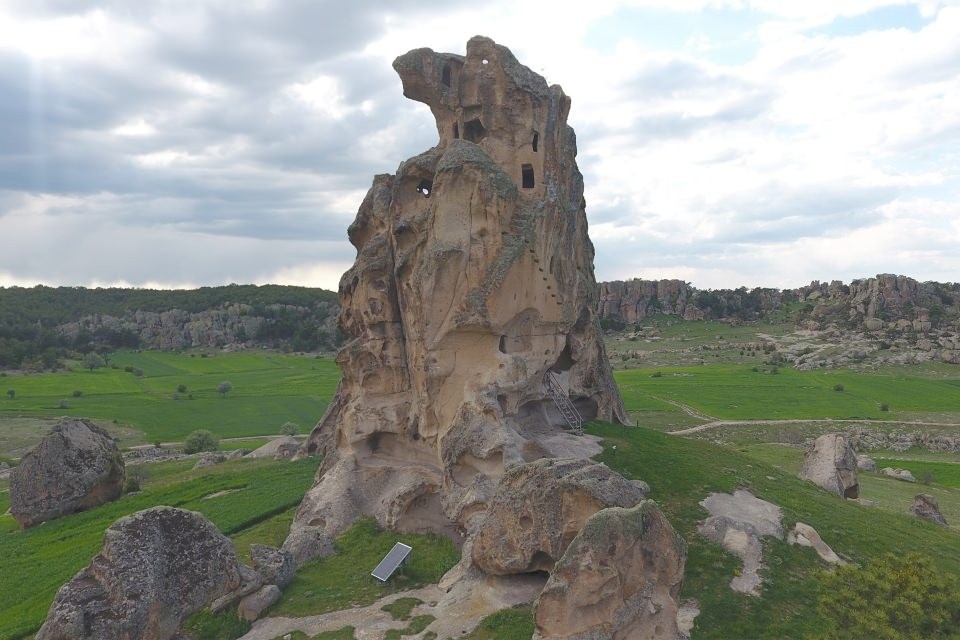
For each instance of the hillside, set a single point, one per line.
(41, 326)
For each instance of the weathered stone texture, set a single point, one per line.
(75, 467)
(832, 464)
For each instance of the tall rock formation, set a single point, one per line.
(473, 282)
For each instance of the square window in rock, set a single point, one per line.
(526, 172)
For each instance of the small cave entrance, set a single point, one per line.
(536, 141)
(424, 188)
(852, 492)
(564, 360)
(503, 344)
(456, 131)
(445, 75)
(586, 407)
(526, 173)
(474, 131)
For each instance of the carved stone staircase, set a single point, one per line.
(560, 398)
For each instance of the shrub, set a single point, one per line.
(838, 387)
(11, 393)
(893, 596)
(656, 374)
(200, 440)
(181, 388)
(884, 407)
(290, 428)
(63, 404)
(77, 393)
(128, 368)
(224, 388)
(131, 484)
(138, 372)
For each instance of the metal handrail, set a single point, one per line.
(567, 409)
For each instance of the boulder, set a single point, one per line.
(899, 474)
(256, 603)
(270, 449)
(539, 508)
(806, 536)
(274, 565)
(155, 568)
(831, 464)
(927, 507)
(442, 393)
(619, 579)
(236, 454)
(209, 459)
(286, 450)
(75, 467)
(865, 463)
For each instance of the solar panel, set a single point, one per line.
(391, 561)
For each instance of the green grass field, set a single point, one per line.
(36, 562)
(268, 390)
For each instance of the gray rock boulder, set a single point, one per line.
(274, 565)
(865, 463)
(75, 467)
(927, 507)
(899, 474)
(538, 509)
(155, 568)
(620, 578)
(209, 459)
(831, 464)
(256, 603)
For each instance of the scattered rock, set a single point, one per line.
(270, 449)
(927, 507)
(865, 463)
(75, 467)
(619, 578)
(274, 565)
(899, 474)
(253, 605)
(286, 450)
(832, 465)
(806, 536)
(209, 459)
(236, 454)
(539, 507)
(687, 617)
(736, 523)
(156, 567)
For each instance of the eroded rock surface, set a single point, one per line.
(927, 507)
(473, 282)
(619, 579)
(75, 467)
(806, 536)
(899, 474)
(540, 507)
(832, 465)
(156, 567)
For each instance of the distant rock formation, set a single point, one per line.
(75, 467)
(832, 465)
(927, 507)
(470, 321)
(156, 567)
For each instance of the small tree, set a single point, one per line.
(92, 361)
(838, 387)
(224, 388)
(182, 388)
(290, 428)
(11, 393)
(200, 440)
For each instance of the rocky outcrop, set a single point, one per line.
(275, 566)
(209, 459)
(927, 507)
(737, 521)
(156, 567)
(539, 507)
(634, 300)
(866, 463)
(619, 579)
(75, 467)
(473, 282)
(899, 474)
(256, 603)
(831, 464)
(806, 536)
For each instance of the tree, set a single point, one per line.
(224, 388)
(182, 388)
(290, 428)
(200, 440)
(11, 393)
(92, 361)
(890, 598)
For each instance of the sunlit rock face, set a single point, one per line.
(473, 280)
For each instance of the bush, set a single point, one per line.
(131, 484)
(200, 440)
(838, 387)
(11, 393)
(224, 388)
(893, 596)
(290, 428)
(63, 404)
(656, 374)
(181, 388)
(884, 407)
(77, 393)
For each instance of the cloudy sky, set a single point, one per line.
(732, 142)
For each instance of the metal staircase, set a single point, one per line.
(560, 398)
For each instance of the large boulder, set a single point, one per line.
(469, 313)
(275, 566)
(927, 507)
(899, 474)
(619, 579)
(156, 567)
(832, 464)
(75, 467)
(540, 507)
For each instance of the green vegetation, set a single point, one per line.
(236, 496)
(682, 472)
(225, 625)
(507, 624)
(343, 580)
(400, 608)
(270, 389)
(417, 625)
(200, 440)
(893, 597)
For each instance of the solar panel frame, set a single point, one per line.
(396, 556)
